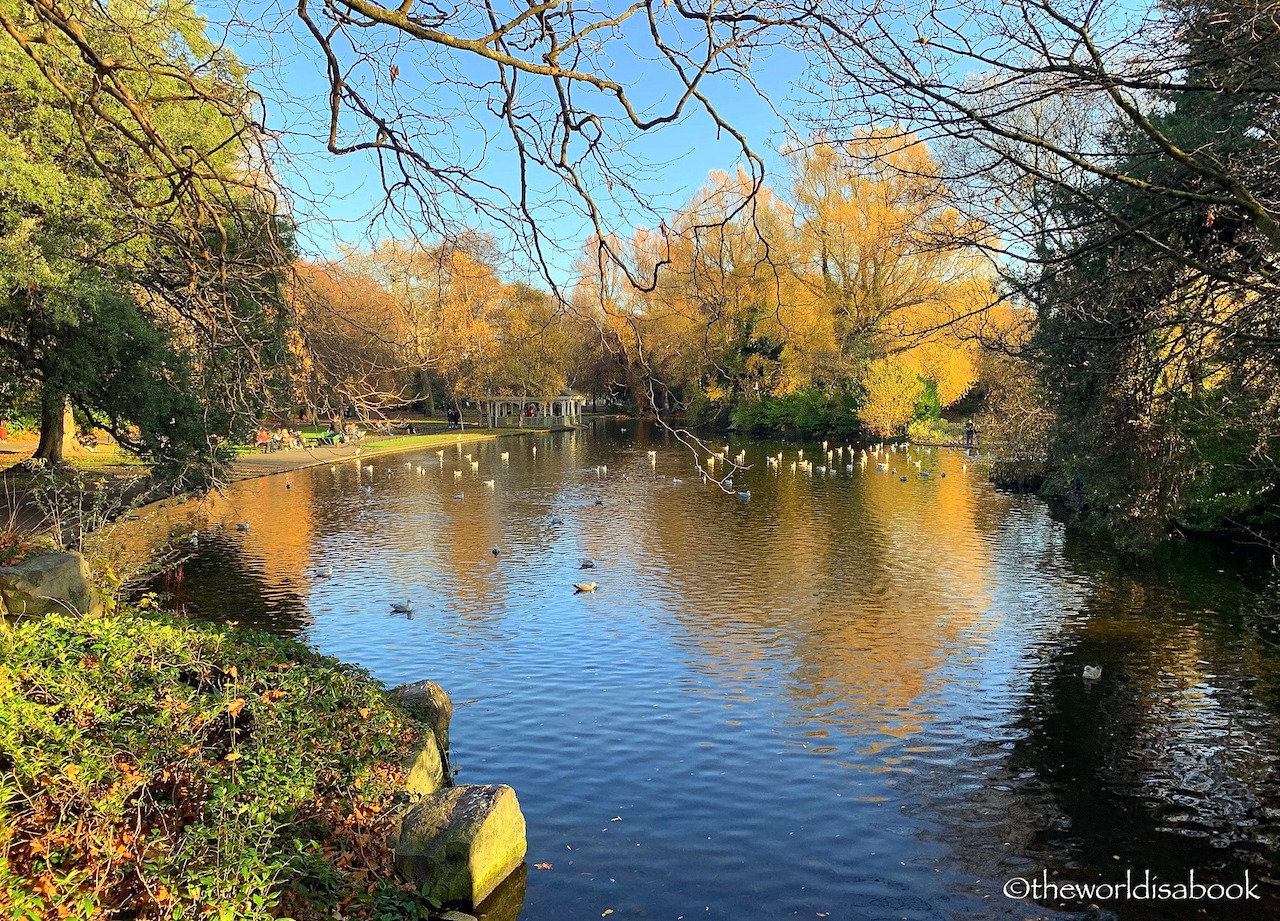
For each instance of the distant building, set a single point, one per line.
(564, 410)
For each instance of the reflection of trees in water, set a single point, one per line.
(1171, 760)
(870, 584)
(259, 577)
(222, 582)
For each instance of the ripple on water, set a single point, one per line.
(849, 696)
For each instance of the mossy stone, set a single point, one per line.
(48, 583)
(460, 843)
(430, 703)
(425, 767)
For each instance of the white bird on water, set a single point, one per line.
(1092, 672)
(580, 587)
(489, 484)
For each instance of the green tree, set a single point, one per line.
(1159, 325)
(138, 231)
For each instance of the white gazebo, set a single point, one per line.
(564, 410)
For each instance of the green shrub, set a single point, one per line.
(154, 768)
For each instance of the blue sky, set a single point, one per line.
(334, 197)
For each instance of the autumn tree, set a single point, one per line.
(1127, 157)
(880, 243)
(349, 340)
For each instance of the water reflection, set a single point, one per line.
(871, 687)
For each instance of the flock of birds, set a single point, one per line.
(720, 466)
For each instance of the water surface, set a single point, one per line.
(848, 697)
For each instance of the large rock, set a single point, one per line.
(430, 703)
(459, 844)
(425, 768)
(53, 582)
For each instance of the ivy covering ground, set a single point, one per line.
(152, 768)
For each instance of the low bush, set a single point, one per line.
(153, 768)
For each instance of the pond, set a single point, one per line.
(848, 696)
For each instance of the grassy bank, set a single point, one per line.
(154, 768)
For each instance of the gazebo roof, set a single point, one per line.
(564, 394)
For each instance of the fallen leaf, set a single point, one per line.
(232, 756)
(236, 706)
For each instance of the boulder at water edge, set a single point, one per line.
(459, 844)
(429, 702)
(425, 768)
(53, 582)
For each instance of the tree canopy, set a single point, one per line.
(140, 244)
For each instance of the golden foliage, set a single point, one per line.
(892, 390)
(756, 295)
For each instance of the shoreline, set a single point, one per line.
(252, 466)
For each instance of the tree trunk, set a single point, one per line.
(428, 398)
(57, 427)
